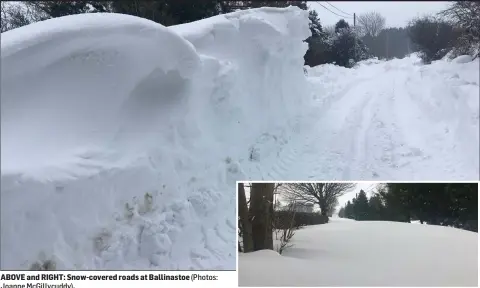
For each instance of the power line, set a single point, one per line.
(332, 11)
(339, 9)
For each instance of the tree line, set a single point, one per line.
(165, 12)
(455, 29)
(446, 204)
(341, 46)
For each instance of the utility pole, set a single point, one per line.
(355, 36)
(386, 44)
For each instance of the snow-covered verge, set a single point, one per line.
(349, 253)
(122, 139)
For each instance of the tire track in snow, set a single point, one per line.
(327, 149)
(385, 148)
(301, 158)
(377, 128)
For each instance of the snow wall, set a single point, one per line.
(122, 139)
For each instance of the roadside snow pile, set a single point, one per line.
(118, 150)
(349, 253)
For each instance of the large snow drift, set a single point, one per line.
(349, 253)
(97, 110)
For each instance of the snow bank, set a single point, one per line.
(253, 66)
(90, 83)
(103, 110)
(349, 253)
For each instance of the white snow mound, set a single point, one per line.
(463, 59)
(99, 109)
(351, 254)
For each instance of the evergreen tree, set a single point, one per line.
(318, 48)
(434, 203)
(341, 24)
(361, 207)
(376, 208)
(349, 213)
(346, 48)
(444, 204)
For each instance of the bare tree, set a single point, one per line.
(14, 15)
(371, 23)
(332, 207)
(4, 14)
(466, 16)
(324, 195)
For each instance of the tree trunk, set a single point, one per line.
(246, 224)
(261, 209)
(323, 208)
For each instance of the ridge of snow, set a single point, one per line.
(100, 111)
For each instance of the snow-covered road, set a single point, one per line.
(389, 121)
(348, 253)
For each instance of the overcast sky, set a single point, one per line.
(368, 187)
(397, 14)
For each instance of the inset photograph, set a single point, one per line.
(357, 234)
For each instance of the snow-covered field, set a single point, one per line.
(350, 253)
(104, 111)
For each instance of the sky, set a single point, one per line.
(397, 14)
(367, 186)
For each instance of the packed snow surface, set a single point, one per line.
(395, 120)
(350, 253)
(122, 139)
